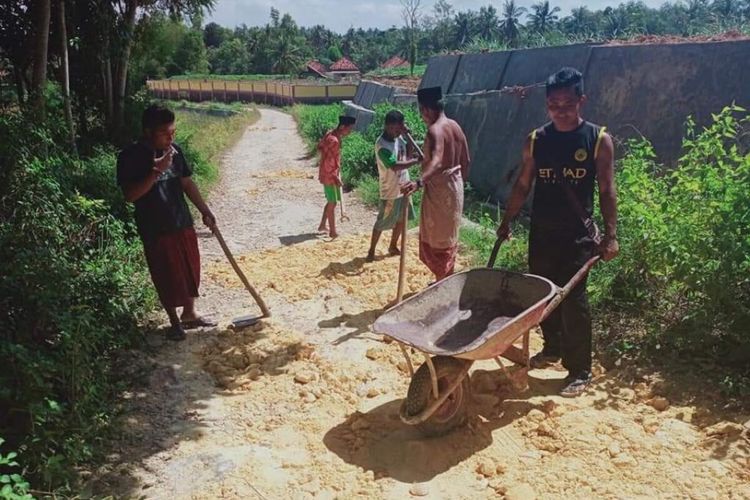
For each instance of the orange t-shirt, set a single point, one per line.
(330, 159)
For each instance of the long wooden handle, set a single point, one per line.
(564, 291)
(414, 144)
(402, 261)
(240, 274)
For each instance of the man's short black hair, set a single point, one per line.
(394, 116)
(564, 79)
(155, 116)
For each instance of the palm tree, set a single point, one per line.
(511, 22)
(487, 23)
(616, 23)
(544, 16)
(579, 21)
(726, 11)
(287, 55)
(464, 28)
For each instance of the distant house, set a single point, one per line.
(314, 69)
(395, 62)
(344, 68)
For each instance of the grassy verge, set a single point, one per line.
(229, 77)
(419, 70)
(204, 136)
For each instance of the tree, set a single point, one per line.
(334, 53)
(41, 42)
(464, 28)
(487, 23)
(124, 13)
(16, 28)
(442, 25)
(580, 21)
(190, 55)
(411, 13)
(65, 72)
(231, 58)
(288, 55)
(544, 16)
(214, 35)
(510, 23)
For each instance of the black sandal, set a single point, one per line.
(176, 333)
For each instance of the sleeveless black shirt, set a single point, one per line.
(573, 153)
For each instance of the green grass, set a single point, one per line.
(229, 77)
(233, 107)
(419, 70)
(204, 137)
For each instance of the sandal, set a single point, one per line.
(176, 333)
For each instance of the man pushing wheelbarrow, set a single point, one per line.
(479, 314)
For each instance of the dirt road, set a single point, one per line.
(305, 405)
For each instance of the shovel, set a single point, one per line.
(249, 320)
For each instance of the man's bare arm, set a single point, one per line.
(465, 158)
(135, 190)
(605, 172)
(192, 192)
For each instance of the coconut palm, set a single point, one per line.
(544, 16)
(510, 24)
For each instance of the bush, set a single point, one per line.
(73, 290)
(685, 246)
(314, 121)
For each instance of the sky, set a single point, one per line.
(340, 15)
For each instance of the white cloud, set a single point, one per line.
(340, 15)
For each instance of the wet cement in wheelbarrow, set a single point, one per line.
(478, 322)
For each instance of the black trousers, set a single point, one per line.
(557, 255)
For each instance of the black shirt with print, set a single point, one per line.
(573, 153)
(163, 208)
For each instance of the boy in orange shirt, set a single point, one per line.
(329, 171)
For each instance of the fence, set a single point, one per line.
(274, 93)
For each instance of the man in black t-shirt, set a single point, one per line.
(155, 176)
(559, 242)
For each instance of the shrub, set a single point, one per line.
(314, 121)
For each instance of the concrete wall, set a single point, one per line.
(647, 89)
(368, 95)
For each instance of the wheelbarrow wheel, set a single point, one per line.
(454, 411)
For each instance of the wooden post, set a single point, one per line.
(238, 91)
(402, 262)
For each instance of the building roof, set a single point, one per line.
(317, 67)
(344, 64)
(395, 62)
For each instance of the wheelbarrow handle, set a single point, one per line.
(570, 285)
(495, 250)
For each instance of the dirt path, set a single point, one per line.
(305, 405)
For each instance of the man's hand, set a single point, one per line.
(609, 248)
(503, 230)
(209, 220)
(162, 163)
(409, 188)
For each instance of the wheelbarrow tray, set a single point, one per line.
(474, 315)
